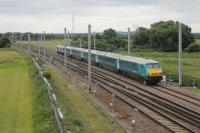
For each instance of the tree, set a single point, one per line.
(109, 34)
(163, 36)
(111, 40)
(5, 42)
(142, 36)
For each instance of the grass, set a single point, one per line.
(48, 44)
(80, 115)
(25, 107)
(15, 93)
(43, 117)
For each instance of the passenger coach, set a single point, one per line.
(148, 71)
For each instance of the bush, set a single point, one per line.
(5, 42)
(193, 47)
(47, 74)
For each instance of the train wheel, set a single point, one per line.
(154, 82)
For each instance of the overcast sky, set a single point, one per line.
(54, 15)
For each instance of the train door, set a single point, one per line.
(142, 70)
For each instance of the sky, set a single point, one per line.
(54, 15)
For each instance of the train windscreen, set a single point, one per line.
(153, 65)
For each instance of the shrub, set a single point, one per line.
(47, 74)
(5, 42)
(193, 47)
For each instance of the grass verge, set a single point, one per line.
(43, 117)
(80, 115)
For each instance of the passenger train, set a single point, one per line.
(148, 71)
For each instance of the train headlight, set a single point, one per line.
(149, 73)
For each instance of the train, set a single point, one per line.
(148, 71)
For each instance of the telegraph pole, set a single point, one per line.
(68, 39)
(52, 36)
(44, 38)
(73, 24)
(180, 53)
(81, 47)
(80, 43)
(65, 44)
(128, 41)
(44, 50)
(89, 58)
(12, 37)
(38, 45)
(21, 40)
(29, 42)
(94, 41)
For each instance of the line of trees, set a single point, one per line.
(161, 36)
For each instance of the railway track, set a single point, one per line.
(192, 99)
(174, 116)
(186, 96)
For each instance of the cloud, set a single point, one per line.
(20, 15)
(76, 6)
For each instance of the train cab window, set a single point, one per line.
(153, 65)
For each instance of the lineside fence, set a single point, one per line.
(57, 112)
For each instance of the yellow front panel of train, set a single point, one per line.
(154, 72)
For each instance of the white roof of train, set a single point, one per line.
(113, 55)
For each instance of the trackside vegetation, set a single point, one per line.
(193, 47)
(80, 115)
(43, 117)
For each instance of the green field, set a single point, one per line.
(24, 103)
(15, 93)
(80, 115)
(48, 44)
